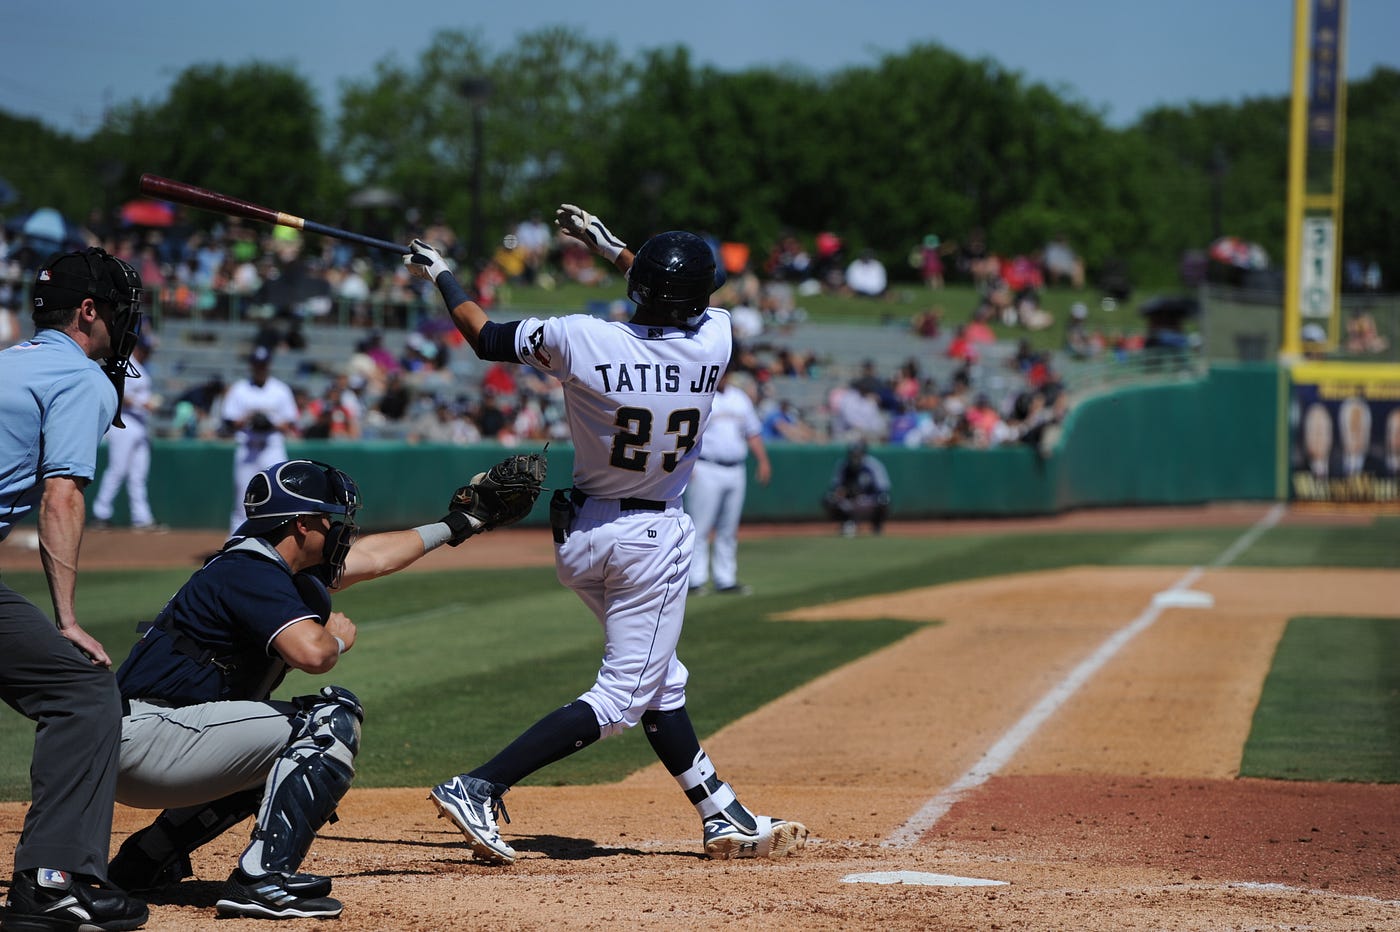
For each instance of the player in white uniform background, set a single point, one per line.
(715, 497)
(638, 396)
(259, 409)
(129, 447)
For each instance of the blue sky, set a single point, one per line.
(1119, 56)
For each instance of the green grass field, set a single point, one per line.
(452, 665)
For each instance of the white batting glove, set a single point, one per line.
(579, 223)
(425, 262)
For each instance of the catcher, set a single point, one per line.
(202, 740)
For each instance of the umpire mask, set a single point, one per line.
(66, 278)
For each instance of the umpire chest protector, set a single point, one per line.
(213, 639)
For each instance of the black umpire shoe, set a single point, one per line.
(273, 897)
(47, 900)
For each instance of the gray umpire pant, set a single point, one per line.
(77, 712)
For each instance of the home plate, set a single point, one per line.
(920, 879)
(1183, 598)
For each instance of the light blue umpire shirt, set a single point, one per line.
(55, 406)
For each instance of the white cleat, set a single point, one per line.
(472, 804)
(775, 838)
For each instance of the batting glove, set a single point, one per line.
(579, 223)
(424, 261)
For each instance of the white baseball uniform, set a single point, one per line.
(637, 399)
(715, 498)
(129, 453)
(256, 450)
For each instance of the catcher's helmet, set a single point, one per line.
(673, 275)
(65, 279)
(304, 487)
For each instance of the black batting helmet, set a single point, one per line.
(304, 487)
(673, 275)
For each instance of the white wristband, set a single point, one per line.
(339, 645)
(434, 535)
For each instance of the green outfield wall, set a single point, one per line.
(1174, 443)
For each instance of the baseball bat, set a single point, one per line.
(192, 196)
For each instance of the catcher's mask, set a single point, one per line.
(286, 490)
(674, 275)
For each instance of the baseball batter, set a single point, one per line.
(638, 397)
(202, 740)
(715, 498)
(129, 447)
(260, 410)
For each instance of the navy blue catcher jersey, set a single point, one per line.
(213, 639)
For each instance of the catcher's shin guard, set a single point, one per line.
(306, 783)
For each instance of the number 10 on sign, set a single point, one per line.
(1318, 265)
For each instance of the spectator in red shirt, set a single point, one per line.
(960, 347)
(499, 379)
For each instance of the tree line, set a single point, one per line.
(923, 141)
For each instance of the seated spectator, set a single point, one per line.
(512, 258)
(975, 260)
(444, 422)
(979, 329)
(961, 347)
(866, 276)
(788, 363)
(831, 253)
(870, 382)
(1363, 337)
(788, 261)
(577, 263)
(329, 417)
(1061, 264)
(746, 320)
(987, 427)
(196, 411)
(785, 423)
(499, 379)
(396, 397)
(928, 323)
(1080, 343)
(908, 383)
(857, 415)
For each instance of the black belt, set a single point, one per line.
(627, 504)
(706, 459)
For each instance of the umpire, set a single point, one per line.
(56, 402)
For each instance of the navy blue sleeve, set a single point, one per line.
(497, 342)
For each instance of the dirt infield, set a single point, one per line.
(960, 754)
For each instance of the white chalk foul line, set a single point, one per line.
(921, 879)
(999, 754)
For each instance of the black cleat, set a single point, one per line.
(276, 897)
(46, 900)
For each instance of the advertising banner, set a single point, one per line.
(1344, 433)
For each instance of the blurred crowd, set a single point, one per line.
(239, 271)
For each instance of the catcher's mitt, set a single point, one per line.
(502, 495)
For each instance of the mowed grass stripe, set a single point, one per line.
(1330, 707)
